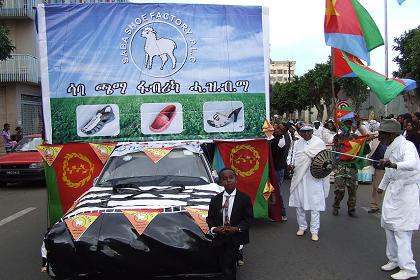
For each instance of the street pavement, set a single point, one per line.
(349, 248)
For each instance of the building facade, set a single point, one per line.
(282, 71)
(20, 86)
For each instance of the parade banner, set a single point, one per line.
(71, 175)
(148, 72)
(199, 216)
(250, 161)
(78, 224)
(140, 219)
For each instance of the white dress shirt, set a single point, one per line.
(231, 201)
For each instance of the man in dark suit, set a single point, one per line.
(229, 218)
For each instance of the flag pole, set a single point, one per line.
(332, 82)
(386, 47)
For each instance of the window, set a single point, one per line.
(31, 114)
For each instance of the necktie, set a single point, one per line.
(226, 221)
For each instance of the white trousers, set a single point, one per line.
(398, 249)
(301, 219)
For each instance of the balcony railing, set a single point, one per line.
(19, 68)
(18, 8)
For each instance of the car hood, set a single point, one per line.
(21, 158)
(172, 244)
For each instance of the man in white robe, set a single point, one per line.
(318, 128)
(400, 208)
(306, 192)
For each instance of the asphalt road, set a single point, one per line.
(349, 248)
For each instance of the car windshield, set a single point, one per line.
(28, 144)
(179, 167)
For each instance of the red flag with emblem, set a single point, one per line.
(250, 161)
(70, 175)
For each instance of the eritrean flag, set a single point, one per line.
(70, 173)
(386, 89)
(344, 113)
(349, 27)
(341, 68)
(250, 161)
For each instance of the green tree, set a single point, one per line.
(408, 62)
(317, 83)
(289, 97)
(408, 59)
(6, 46)
(356, 90)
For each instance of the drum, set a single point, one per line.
(323, 164)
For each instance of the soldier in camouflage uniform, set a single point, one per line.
(345, 176)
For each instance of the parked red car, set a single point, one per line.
(24, 163)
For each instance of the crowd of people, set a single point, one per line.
(392, 144)
(11, 140)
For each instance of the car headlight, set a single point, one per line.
(36, 165)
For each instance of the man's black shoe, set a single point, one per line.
(352, 214)
(373, 210)
(335, 212)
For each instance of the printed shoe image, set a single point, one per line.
(102, 117)
(163, 119)
(224, 118)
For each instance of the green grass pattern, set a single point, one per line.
(63, 114)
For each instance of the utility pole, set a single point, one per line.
(289, 63)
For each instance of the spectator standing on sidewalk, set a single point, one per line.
(8, 142)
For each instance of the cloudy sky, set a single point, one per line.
(296, 28)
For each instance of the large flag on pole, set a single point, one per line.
(250, 161)
(349, 27)
(341, 68)
(386, 89)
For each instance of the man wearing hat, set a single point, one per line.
(306, 192)
(400, 208)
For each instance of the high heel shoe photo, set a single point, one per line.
(163, 119)
(221, 119)
(102, 117)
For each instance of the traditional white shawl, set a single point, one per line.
(303, 158)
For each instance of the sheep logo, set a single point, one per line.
(162, 47)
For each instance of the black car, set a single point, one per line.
(102, 234)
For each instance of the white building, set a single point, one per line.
(282, 71)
